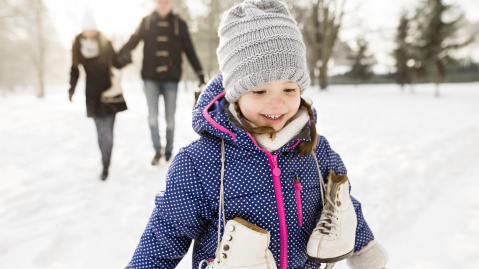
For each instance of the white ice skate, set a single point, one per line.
(334, 236)
(244, 245)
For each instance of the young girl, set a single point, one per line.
(254, 115)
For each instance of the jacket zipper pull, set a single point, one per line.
(297, 189)
(297, 182)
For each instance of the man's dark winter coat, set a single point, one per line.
(164, 41)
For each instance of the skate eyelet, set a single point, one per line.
(338, 203)
(232, 228)
(229, 238)
(226, 247)
(224, 256)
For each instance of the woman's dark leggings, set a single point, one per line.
(104, 128)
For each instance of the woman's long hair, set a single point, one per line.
(105, 55)
(304, 148)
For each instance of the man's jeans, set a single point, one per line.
(104, 129)
(169, 90)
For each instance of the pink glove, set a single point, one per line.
(372, 256)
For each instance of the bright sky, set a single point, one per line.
(114, 18)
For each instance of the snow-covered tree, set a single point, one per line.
(437, 36)
(320, 22)
(402, 52)
(362, 63)
(31, 51)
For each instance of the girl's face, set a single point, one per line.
(271, 104)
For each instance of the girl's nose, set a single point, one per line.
(276, 101)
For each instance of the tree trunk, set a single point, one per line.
(437, 80)
(41, 83)
(312, 76)
(436, 92)
(40, 58)
(323, 77)
(413, 80)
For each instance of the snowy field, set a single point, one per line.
(413, 162)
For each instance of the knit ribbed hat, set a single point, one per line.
(88, 21)
(260, 43)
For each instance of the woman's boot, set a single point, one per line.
(104, 173)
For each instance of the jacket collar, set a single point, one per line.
(156, 16)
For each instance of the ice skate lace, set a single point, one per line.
(328, 218)
(221, 207)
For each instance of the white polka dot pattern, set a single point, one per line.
(188, 209)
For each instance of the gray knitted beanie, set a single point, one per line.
(260, 43)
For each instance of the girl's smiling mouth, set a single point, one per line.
(273, 117)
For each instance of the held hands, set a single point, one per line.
(123, 59)
(202, 81)
(372, 256)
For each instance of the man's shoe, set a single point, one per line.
(156, 159)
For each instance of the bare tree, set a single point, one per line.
(206, 37)
(320, 22)
(28, 33)
(14, 64)
(39, 51)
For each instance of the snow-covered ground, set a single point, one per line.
(413, 162)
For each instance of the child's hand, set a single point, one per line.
(372, 256)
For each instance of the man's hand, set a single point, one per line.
(202, 81)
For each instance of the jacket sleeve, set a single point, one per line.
(178, 218)
(124, 54)
(189, 49)
(363, 233)
(74, 70)
(74, 75)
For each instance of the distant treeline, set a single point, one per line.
(453, 74)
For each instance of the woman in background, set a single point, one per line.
(95, 53)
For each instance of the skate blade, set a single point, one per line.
(332, 259)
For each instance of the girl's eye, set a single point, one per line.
(259, 92)
(290, 90)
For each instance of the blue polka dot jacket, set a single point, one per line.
(259, 187)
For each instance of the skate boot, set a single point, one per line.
(244, 245)
(334, 236)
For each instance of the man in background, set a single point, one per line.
(166, 37)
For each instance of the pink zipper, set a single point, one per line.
(283, 229)
(273, 159)
(297, 189)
